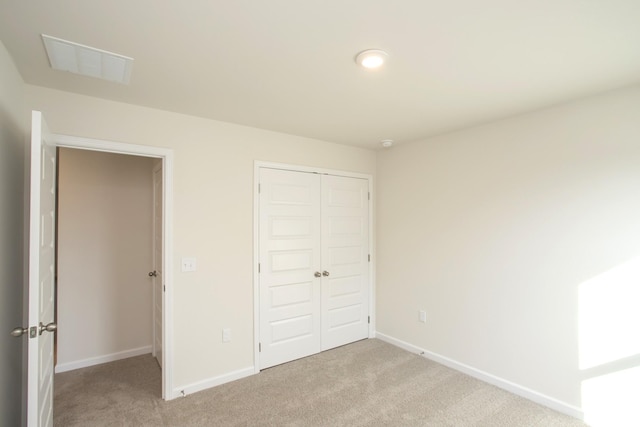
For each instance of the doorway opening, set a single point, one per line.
(104, 296)
(105, 255)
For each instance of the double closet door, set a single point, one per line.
(313, 263)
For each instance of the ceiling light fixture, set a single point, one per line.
(87, 61)
(386, 143)
(371, 58)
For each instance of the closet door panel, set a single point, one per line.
(289, 233)
(345, 251)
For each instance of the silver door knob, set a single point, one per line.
(317, 274)
(19, 331)
(153, 273)
(325, 273)
(50, 327)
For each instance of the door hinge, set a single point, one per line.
(369, 257)
(369, 319)
(164, 288)
(259, 188)
(369, 196)
(258, 267)
(259, 347)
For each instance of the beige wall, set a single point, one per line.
(213, 213)
(13, 134)
(105, 210)
(494, 232)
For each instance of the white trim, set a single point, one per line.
(109, 146)
(166, 155)
(256, 276)
(256, 250)
(211, 382)
(372, 270)
(298, 168)
(509, 386)
(33, 258)
(167, 265)
(98, 360)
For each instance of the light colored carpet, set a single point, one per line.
(368, 383)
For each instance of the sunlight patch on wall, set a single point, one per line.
(612, 400)
(609, 315)
(610, 346)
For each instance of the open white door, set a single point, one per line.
(41, 275)
(158, 253)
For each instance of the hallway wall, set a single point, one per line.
(104, 242)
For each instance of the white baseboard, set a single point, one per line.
(509, 386)
(186, 390)
(98, 360)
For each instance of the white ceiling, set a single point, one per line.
(288, 65)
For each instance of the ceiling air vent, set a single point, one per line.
(87, 61)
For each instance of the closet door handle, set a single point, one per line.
(317, 274)
(325, 273)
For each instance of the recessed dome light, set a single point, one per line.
(386, 143)
(372, 58)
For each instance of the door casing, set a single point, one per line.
(256, 247)
(166, 155)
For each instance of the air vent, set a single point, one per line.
(87, 61)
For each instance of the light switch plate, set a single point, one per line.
(188, 264)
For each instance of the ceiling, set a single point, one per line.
(288, 65)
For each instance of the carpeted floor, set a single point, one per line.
(368, 383)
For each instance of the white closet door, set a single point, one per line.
(289, 236)
(345, 252)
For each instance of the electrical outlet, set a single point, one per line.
(423, 316)
(226, 335)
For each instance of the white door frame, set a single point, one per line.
(166, 155)
(256, 249)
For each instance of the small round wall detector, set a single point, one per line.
(386, 143)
